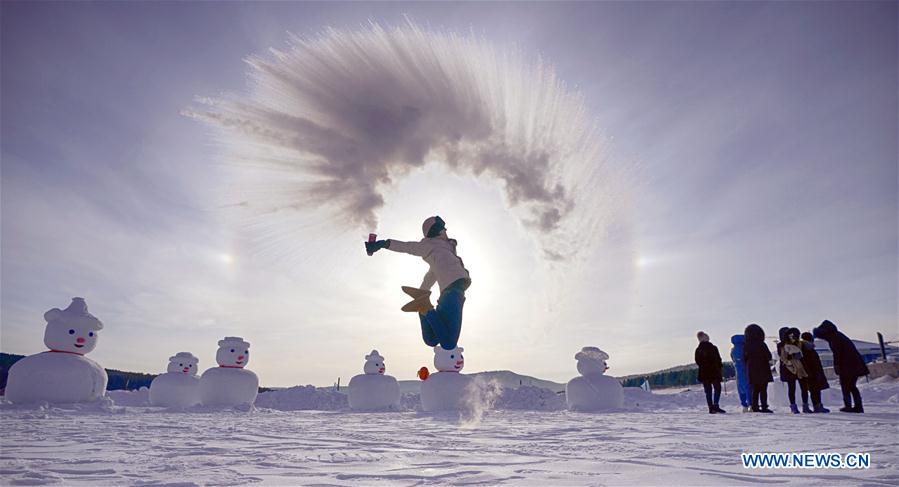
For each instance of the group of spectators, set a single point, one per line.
(799, 364)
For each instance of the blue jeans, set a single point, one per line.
(743, 384)
(708, 386)
(444, 324)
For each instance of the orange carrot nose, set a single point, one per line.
(423, 373)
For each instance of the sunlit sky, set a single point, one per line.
(762, 139)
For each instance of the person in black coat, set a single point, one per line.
(758, 366)
(847, 363)
(817, 380)
(709, 361)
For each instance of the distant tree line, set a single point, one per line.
(684, 375)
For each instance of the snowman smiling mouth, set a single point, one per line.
(79, 346)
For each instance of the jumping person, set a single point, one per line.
(847, 363)
(709, 361)
(444, 324)
(758, 366)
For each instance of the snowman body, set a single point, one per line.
(179, 387)
(374, 391)
(229, 384)
(55, 377)
(63, 374)
(593, 390)
(446, 389)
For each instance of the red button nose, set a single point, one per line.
(79, 340)
(240, 357)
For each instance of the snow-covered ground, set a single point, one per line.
(522, 438)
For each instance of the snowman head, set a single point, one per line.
(233, 352)
(448, 360)
(183, 363)
(72, 329)
(374, 363)
(591, 361)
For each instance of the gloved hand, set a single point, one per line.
(372, 247)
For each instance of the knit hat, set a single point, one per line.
(702, 336)
(433, 226)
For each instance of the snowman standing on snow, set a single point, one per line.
(63, 374)
(593, 390)
(179, 387)
(445, 390)
(229, 384)
(373, 390)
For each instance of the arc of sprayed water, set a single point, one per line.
(334, 119)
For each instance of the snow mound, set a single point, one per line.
(135, 398)
(530, 398)
(303, 397)
(45, 409)
(410, 401)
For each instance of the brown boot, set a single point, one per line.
(421, 304)
(414, 292)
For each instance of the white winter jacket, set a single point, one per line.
(445, 266)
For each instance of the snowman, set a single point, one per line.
(445, 389)
(179, 387)
(63, 374)
(593, 390)
(373, 390)
(229, 384)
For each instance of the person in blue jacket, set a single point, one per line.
(736, 354)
